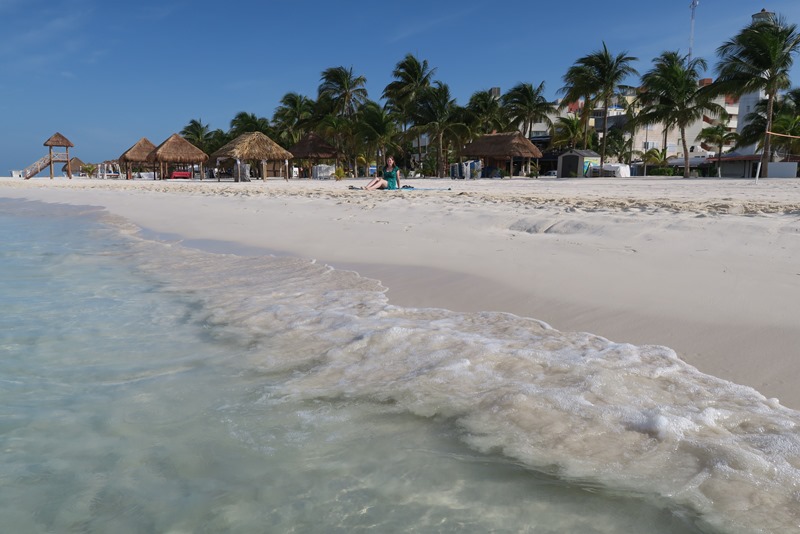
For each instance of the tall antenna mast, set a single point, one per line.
(693, 6)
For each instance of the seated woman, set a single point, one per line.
(389, 179)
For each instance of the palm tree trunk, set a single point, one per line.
(765, 157)
(419, 151)
(440, 156)
(585, 127)
(685, 152)
(605, 135)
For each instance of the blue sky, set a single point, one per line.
(106, 73)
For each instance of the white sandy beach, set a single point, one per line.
(710, 268)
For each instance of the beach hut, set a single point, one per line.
(177, 151)
(253, 146)
(138, 153)
(75, 166)
(500, 149)
(312, 147)
(60, 141)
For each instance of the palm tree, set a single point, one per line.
(655, 156)
(671, 94)
(632, 110)
(567, 131)
(411, 78)
(245, 122)
(758, 58)
(346, 91)
(377, 129)
(608, 73)
(578, 85)
(619, 145)
(717, 135)
(197, 133)
(600, 74)
(342, 131)
(292, 116)
(217, 139)
(440, 117)
(754, 130)
(787, 128)
(526, 105)
(485, 112)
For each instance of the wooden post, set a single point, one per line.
(51, 162)
(69, 165)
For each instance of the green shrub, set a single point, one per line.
(661, 171)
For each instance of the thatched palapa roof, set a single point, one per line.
(58, 140)
(138, 152)
(253, 146)
(312, 146)
(176, 149)
(75, 164)
(502, 145)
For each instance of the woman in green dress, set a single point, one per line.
(389, 178)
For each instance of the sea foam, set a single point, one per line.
(575, 405)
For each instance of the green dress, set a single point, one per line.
(390, 177)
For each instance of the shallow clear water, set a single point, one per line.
(146, 387)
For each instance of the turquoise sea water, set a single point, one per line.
(147, 387)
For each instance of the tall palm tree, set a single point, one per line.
(717, 135)
(292, 116)
(411, 78)
(606, 72)
(345, 90)
(486, 113)
(579, 85)
(671, 94)
(440, 117)
(526, 105)
(758, 58)
(197, 133)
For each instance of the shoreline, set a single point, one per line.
(707, 267)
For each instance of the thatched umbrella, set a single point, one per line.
(502, 146)
(253, 146)
(59, 140)
(75, 165)
(138, 153)
(313, 147)
(176, 149)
